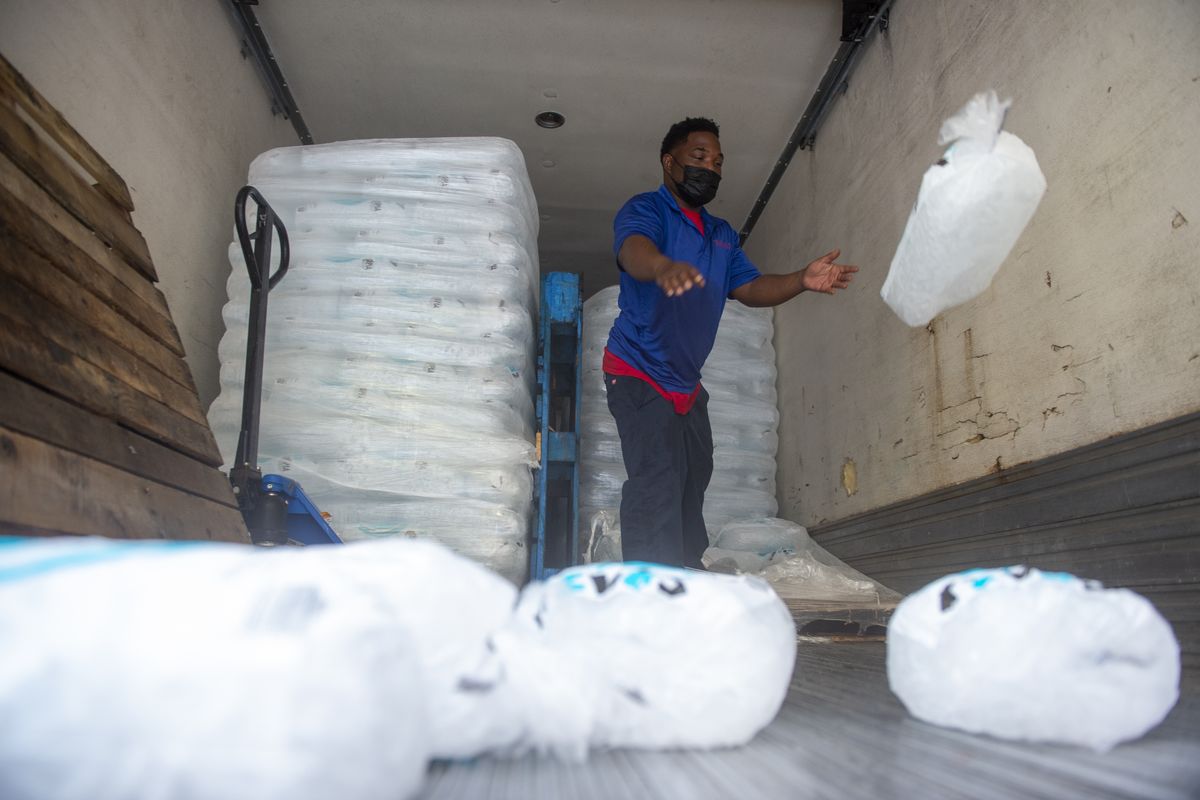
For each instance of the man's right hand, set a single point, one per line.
(676, 277)
(641, 259)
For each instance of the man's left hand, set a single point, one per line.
(825, 276)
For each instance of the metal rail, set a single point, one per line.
(256, 44)
(834, 83)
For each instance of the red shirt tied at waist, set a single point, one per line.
(682, 402)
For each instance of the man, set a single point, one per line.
(678, 265)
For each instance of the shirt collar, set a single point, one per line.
(670, 200)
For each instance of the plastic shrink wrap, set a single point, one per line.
(785, 556)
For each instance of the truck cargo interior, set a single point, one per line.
(330, 501)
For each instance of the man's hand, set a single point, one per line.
(640, 258)
(825, 276)
(676, 277)
(821, 275)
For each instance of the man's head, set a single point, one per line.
(691, 160)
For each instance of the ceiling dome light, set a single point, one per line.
(550, 119)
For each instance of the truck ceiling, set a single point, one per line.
(619, 72)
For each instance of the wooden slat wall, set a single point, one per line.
(1125, 511)
(101, 428)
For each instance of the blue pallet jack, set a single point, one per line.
(276, 509)
(560, 342)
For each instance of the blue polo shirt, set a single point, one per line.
(669, 338)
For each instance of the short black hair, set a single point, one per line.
(681, 130)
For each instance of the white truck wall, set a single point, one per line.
(1091, 328)
(162, 92)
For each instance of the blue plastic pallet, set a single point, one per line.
(560, 341)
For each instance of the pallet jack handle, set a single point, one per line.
(265, 512)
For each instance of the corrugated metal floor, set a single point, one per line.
(842, 734)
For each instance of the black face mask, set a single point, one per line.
(698, 187)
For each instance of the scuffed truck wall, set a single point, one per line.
(161, 91)
(1091, 328)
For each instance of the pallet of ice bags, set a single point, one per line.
(400, 345)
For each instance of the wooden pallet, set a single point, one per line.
(839, 618)
(101, 427)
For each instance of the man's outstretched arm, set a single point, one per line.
(641, 259)
(822, 275)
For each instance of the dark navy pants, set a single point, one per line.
(669, 460)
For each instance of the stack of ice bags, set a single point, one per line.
(740, 378)
(398, 375)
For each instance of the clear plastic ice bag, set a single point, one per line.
(970, 211)
(1018, 653)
